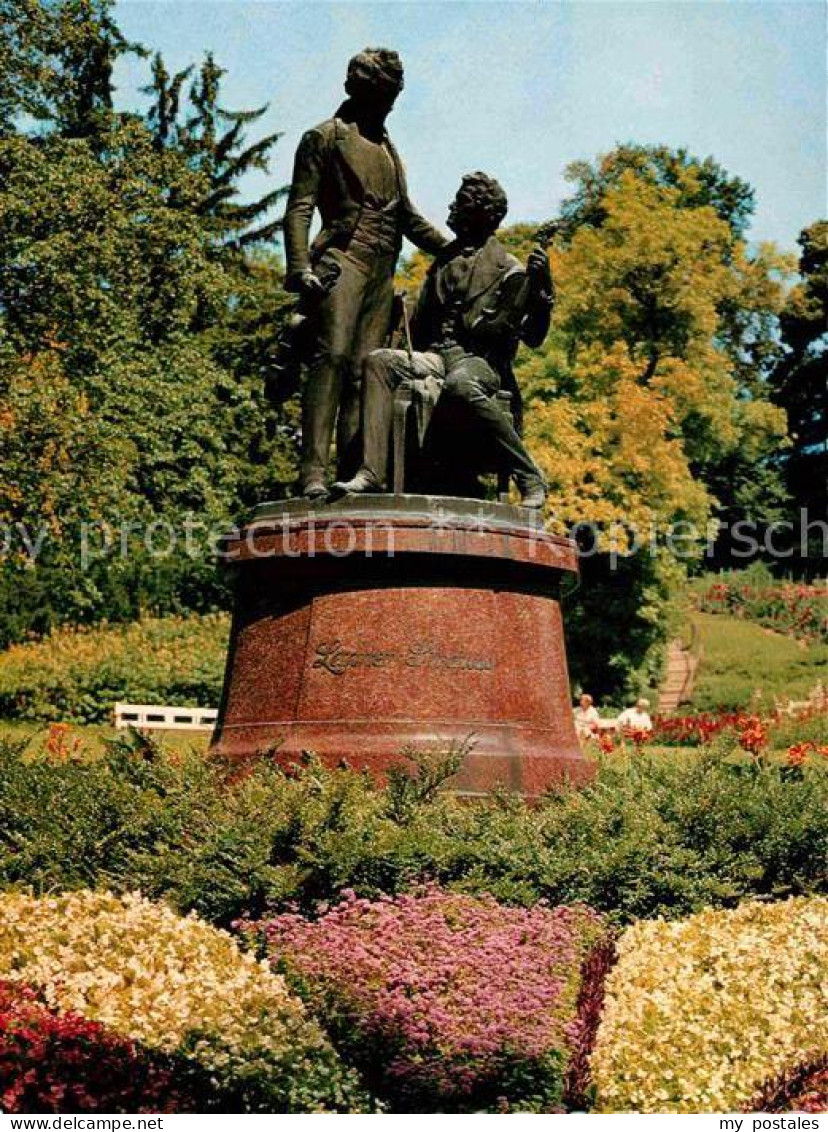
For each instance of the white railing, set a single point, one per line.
(148, 716)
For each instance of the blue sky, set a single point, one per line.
(520, 88)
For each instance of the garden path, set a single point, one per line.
(677, 685)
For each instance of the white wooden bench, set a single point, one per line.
(817, 701)
(145, 717)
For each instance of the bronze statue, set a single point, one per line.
(476, 304)
(348, 169)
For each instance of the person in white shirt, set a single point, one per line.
(636, 718)
(586, 717)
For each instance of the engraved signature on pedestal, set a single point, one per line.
(337, 657)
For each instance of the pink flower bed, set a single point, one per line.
(452, 1002)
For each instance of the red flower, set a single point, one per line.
(606, 741)
(798, 753)
(60, 1063)
(753, 736)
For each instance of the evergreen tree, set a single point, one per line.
(56, 63)
(213, 141)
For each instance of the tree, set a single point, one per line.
(100, 281)
(742, 302)
(57, 63)
(129, 393)
(800, 381)
(212, 140)
(701, 183)
(642, 395)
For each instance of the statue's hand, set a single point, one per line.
(310, 286)
(539, 271)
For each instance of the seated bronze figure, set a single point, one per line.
(476, 305)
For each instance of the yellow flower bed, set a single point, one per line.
(699, 1013)
(169, 983)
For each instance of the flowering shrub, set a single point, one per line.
(754, 732)
(798, 610)
(700, 1012)
(753, 735)
(798, 753)
(178, 987)
(59, 746)
(51, 1062)
(450, 1001)
(77, 675)
(693, 730)
(605, 741)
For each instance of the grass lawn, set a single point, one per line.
(93, 736)
(744, 664)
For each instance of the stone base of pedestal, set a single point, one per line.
(383, 623)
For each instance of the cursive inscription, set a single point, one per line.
(337, 658)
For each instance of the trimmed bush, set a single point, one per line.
(77, 675)
(176, 986)
(700, 1013)
(448, 1002)
(655, 834)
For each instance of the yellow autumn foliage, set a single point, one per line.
(700, 1012)
(615, 458)
(636, 388)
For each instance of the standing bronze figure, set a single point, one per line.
(348, 169)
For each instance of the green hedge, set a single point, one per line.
(77, 675)
(654, 835)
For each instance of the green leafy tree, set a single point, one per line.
(129, 393)
(700, 183)
(800, 381)
(742, 300)
(648, 406)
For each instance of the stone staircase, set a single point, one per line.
(677, 686)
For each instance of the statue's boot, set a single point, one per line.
(532, 492)
(315, 488)
(364, 481)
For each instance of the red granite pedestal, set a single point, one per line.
(383, 622)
